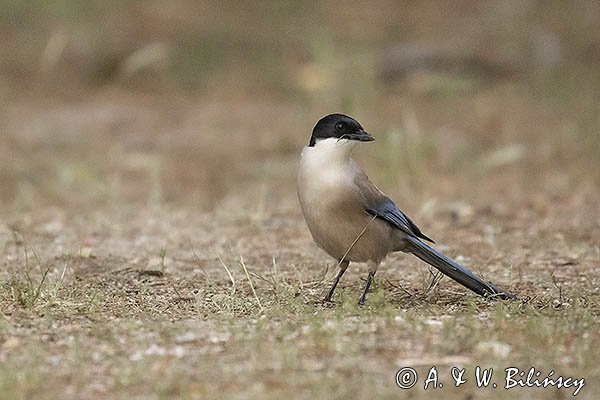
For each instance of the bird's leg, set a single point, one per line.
(372, 270)
(343, 267)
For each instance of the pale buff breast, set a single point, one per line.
(333, 209)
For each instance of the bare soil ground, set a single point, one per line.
(151, 244)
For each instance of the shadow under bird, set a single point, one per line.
(354, 221)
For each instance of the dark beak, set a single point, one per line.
(361, 136)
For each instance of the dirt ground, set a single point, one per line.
(152, 245)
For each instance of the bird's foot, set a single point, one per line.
(363, 297)
(327, 299)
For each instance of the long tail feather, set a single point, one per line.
(455, 271)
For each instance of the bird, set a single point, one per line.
(352, 220)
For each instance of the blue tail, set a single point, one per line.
(455, 271)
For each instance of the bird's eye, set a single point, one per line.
(340, 127)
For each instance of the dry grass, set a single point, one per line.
(151, 245)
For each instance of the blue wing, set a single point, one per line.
(378, 204)
(385, 209)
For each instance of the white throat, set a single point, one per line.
(325, 165)
(328, 153)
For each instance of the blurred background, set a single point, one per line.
(148, 159)
(208, 103)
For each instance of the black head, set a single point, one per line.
(339, 126)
